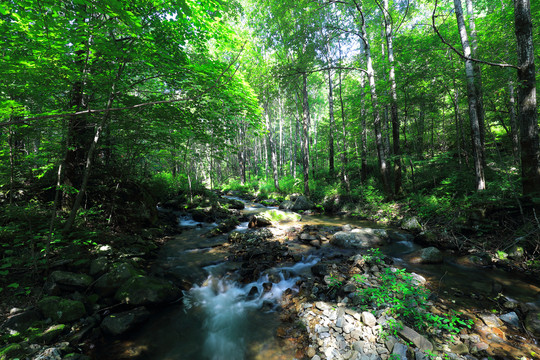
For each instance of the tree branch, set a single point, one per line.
(461, 55)
(95, 111)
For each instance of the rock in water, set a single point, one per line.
(430, 255)
(411, 224)
(146, 290)
(532, 323)
(117, 324)
(359, 238)
(302, 203)
(61, 310)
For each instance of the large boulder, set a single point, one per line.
(61, 310)
(411, 224)
(70, 279)
(302, 203)
(359, 238)
(430, 255)
(235, 204)
(146, 290)
(268, 217)
(111, 281)
(286, 205)
(118, 324)
(532, 323)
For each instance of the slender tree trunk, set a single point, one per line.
(305, 133)
(11, 164)
(514, 128)
(527, 114)
(420, 131)
(478, 75)
(270, 137)
(88, 165)
(344, 156)
(331, 168)
(363, 136)
(393, 106)
(379, 141)
(478, 150)
(457, 120)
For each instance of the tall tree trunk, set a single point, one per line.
(379, 141)
(305, 133)
(457, 120)
(363, 136)
(478, 149)
(527, 114)
(393, 106)
(344, 157)
(478, 75)
(270, 137)
(514, 128)
(331, 168)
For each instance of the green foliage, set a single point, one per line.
(406, 301)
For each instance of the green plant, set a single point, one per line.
(374, 255)
(334, 282)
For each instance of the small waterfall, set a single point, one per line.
(229, 308)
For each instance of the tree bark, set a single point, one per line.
(344, 157)
(379, 141)
(527, 114)
(363, 136)
(305, 133)
(478, 149)
(270, 137)
(514, 128)
(331, 168)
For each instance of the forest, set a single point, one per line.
(389, 111)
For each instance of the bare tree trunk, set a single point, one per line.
(270, 136)
(527, 114)
(344, 157)
(363, 136)
(514, 128)
(90, 155)
(478, 150)
(305, 133)
(331, 168)
(457, 120)
(478, 75)
(379, 141)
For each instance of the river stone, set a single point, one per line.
(411, 224)
(235, 204)
(412, 336)
(368, 319)
(61, 310)
(516, 252)
(430, 255)
(22, 321)
(532, 323)
(302, 203)
(278, 216)
(81, 281)
(117, 324)
(399, 351)
(359, 238)
(50, 334)
(99, 266)
(286, 205)
(510, 318)
(109, 283)
(491, 320)
(146, 290)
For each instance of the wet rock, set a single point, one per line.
(50, 334)
(66, 278)
(532, 323)
(146, 290)
(359, 238)
(302, 203)
(319, 269)
(412, 336)
(430, 255)
(118, 324)
(235, 204)
(399, 236)
(510, 318)
(286, 205)
(61, 310)
(258, 221)
(411, 224)
(225, 226)
(491, 320)
(111, 281)
(22, 321)
(400, 351)
(99, 266)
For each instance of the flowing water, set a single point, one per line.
(222, 319)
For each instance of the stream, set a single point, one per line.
(221, 318)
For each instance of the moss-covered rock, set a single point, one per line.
(61, 310)
(279, 216)
(146, 290)
(50, 334)
(118, 324)
(110, 282)
(66, 278)
(11, 351)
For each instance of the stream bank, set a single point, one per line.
(309, 311)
